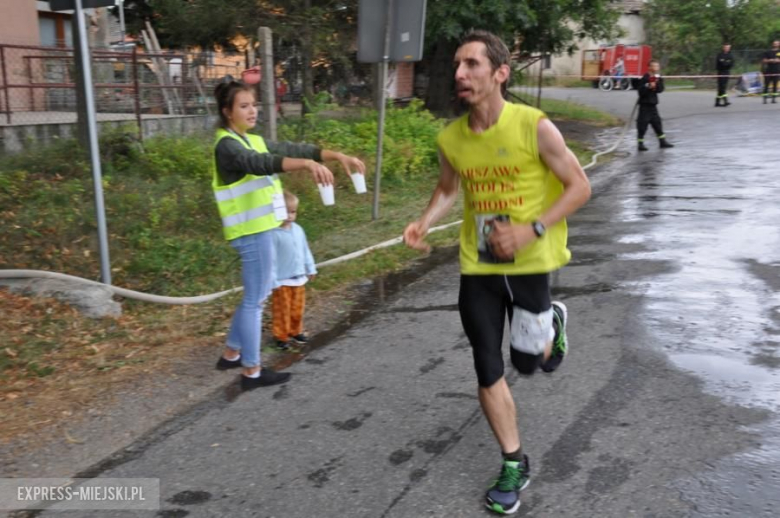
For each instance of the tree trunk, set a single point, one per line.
(306, 55)
(441, 78)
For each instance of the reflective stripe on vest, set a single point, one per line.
(249, 215)
(245, 188)
(246, 206)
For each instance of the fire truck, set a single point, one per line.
(613, 66)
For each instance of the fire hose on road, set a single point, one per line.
(199, 299)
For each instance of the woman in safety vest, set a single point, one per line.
(250, 202)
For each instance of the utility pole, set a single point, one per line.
(92, 134)
(382, 102)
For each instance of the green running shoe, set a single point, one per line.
(503, 497)
(560, 343)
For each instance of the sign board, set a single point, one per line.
(406, 32)
(750, 83)
(70, 5)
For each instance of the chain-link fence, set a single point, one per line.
(38, 84)
(746, 61)
(341, 81)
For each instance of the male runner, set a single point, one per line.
(520, 182)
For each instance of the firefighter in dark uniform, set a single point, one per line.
(771, 63)
(723, 64)
(650, 86)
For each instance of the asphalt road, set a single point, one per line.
(667, 405)
(674, 103)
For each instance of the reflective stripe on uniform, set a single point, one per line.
(230, 193)
(249, 215)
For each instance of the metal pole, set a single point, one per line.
(28, 62)
(381, 125)
(121, 5)
(5, 86)
(137, 95)
(539, 91)
(94, 154)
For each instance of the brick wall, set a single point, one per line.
(405, 85)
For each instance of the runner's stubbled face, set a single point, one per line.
(475, 78)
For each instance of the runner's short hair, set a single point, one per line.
(495, 50)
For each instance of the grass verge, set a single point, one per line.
(568, 111)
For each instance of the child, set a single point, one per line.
(650, 86)
(294, 268)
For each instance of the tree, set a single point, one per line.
(320, 31)
(541, 26)
(687, 35)
(324, 31)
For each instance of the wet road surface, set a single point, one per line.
(673, 103)
(667, 405)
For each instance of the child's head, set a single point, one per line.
(654, 67)
(291, 201)
(236, 106)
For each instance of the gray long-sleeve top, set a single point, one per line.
(234, 161)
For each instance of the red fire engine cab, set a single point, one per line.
(623, 61)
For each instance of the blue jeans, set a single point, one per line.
(257, 274)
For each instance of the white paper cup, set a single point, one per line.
(359, 181)
(326, 193)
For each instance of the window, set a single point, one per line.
(48, 30)
(55, 30)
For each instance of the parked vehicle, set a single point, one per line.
(613, 66)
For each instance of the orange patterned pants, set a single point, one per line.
(289, 303)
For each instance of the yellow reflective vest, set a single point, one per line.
(247, 206)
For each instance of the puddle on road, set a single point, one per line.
(714, 315)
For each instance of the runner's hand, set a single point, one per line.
(506, 239)
(319, 172)
(414, 236)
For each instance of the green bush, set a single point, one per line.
(409, 139)
(164, 233)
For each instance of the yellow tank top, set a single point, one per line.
(504, 178)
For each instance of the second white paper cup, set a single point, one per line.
(326, 193)
(359, 181)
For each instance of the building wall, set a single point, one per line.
(14, 139)
(19, 22)
(18, 26)
(400, 81)
(633, 26)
